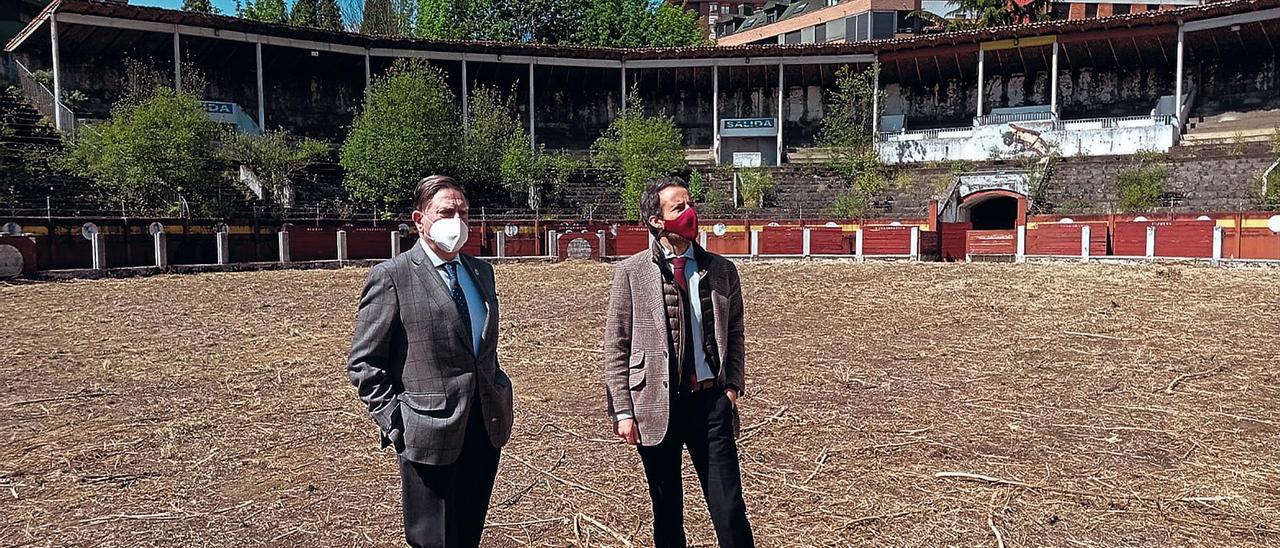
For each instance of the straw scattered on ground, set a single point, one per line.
(888, 404)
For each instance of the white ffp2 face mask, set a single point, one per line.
(450, 234)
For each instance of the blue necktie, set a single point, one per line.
(459, 298)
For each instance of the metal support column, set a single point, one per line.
(715, 113)
(532, 139)
(1053, 81)
(177, 61)
(1177, 87)
(466, 100)
(778, 160)
(981, 77)
(57, 72)
(262, 106)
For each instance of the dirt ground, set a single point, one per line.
(888, 404)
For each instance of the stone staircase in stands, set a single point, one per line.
(29, 148)
(1232, 127)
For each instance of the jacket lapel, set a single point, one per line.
(486, 291)
(713, 275)
(438, 292)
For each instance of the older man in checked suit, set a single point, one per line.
(424, 359)
(673, 367)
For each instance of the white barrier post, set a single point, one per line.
(1084, 242)
(553, 244)
(502, 243)
(915, 243)
(396, 243)
(1020, 256)
(857, 245)
(161, 246)
(602, 253)
(222, 242)
(808, 243)
(1151, 242)
(342, 246)
(755, 243)
(98, 246)
(1217, 244)
(702, 238)
(283, 238)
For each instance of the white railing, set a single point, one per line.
(921, 134)
(1006, 117)
(1113, 122)
(43, 99)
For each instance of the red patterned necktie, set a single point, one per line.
(677, 266)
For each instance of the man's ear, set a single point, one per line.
(653, 222)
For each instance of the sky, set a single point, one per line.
(228, 7)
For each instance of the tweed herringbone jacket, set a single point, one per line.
(412, 362)
(637, 346)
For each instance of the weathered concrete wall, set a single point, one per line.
(1082, 93)
(992, 142)
(1201, 178)
(1236, 83)
(574, 104)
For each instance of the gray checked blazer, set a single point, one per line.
(636, 347)
(413, 365)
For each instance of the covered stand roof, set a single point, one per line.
(1124, 29)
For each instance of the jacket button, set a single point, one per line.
(664, 384)
(493, 420)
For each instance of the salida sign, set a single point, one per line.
(218, 107)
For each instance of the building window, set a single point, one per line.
(1120, 9)
(724, 8)
(1090, 10)
(1153, 7)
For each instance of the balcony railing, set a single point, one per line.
(45, 104)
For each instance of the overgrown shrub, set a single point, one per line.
(407, 128)
(1141, 186)
(637, 148)
(154, 156)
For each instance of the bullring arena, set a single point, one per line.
(888, 404)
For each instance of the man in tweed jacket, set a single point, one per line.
(673, 365)
(424, 359)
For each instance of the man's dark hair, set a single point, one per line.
(429, 186)
(650, 202)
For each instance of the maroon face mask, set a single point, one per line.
(685, 225)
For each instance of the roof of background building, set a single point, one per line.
(220, 23)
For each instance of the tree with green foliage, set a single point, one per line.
(636, 149)
(266, 11)
(155, 155)
(406, 129)
(460, 20)
(275, 157)
(199, 6)
(846, 137)
(305, 13)
(975, 14)
(675, 26)
(490, 128)
(380, 19)
(637, 23)
(534, 173)
(329, 15)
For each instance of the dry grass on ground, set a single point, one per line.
(1093, 406)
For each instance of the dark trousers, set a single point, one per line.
(445, 506)
(703, 422)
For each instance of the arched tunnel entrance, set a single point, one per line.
(993, 212)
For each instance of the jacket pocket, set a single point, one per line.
(636, 379)
(425, 401)
(637, 360)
